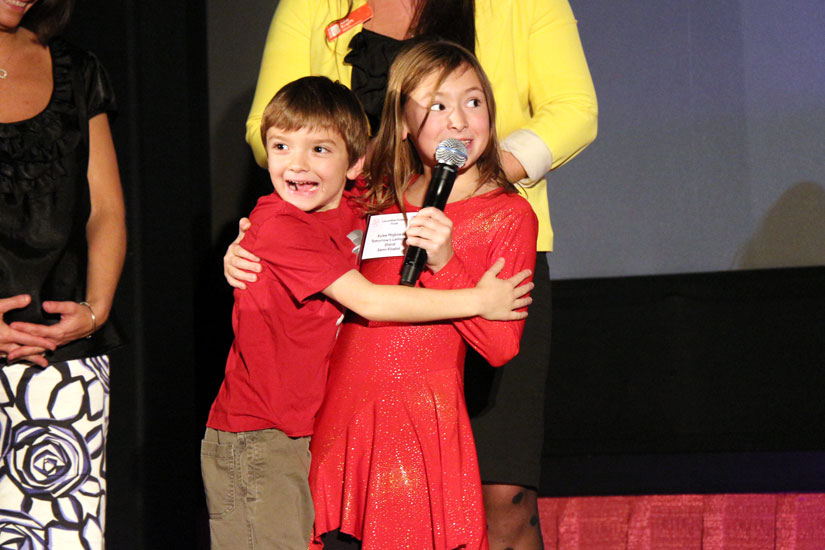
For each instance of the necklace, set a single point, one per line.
(3, 72)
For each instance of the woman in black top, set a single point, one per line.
(62, 246)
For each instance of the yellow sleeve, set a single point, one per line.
(286, 58)
(561, 93)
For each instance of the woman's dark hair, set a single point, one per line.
(452, 20)
(48, 18)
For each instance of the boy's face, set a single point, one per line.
(309, 167)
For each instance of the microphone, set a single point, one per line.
(450, 155)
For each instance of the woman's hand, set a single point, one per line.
(513, 169)
(239, 264)
(432, 231)
(16, 344)
(76, 321)
(501, 298)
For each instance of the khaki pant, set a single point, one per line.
(256, 490)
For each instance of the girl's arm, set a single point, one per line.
(106, 237)
(494, 299)
(514, 240)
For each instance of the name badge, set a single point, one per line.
(356, 17)
(385, 236)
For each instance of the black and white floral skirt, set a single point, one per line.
(53, 424)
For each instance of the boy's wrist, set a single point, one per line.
(480, 300)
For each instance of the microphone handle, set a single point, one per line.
(438, 192)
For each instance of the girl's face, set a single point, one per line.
(458, 109)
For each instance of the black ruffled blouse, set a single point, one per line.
(44, 195)
(371, 55)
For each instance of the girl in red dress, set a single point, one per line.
(393, 458)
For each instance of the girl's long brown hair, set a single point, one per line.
(394, 161)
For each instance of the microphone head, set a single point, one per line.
(451, 151)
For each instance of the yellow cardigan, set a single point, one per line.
(530, 50)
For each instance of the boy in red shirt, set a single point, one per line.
(255, 454)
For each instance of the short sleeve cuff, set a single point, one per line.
(100, 95)
(530, 151)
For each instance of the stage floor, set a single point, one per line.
(792, 521)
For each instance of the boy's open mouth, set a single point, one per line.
(302, 186)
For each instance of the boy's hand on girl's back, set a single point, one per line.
(500, 298)
(239, 265)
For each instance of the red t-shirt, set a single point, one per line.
(284, 328)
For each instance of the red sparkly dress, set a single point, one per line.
(393, 457)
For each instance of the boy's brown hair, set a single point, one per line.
(318, 103)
